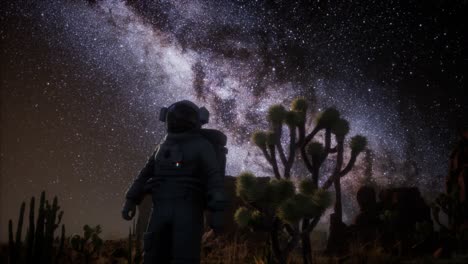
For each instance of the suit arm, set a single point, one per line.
(215, 193)
(136, 191)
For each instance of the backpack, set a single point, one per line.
(218, 139)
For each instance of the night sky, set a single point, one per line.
(82, 84)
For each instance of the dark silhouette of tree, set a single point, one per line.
(285, 214)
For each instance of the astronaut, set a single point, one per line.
(185, 176)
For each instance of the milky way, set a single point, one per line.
(110, 66)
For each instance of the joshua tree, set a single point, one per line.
(313, 155)
(275, 206)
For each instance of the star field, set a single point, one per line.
(82, 84)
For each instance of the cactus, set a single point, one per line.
(39, 242)
(30, 234)
(11, 243)
(53, 219)
(15, 245)
(138, 252)
(130, 246)
(134, 240)
(61, 245)
(39, 236)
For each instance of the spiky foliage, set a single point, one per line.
(259, 138)
(307, 187)
(256, 219)
(322, 198)
(340, 128)
(270, 138)
(300, 118)
(243, 217)
(248, 188)
(299, 104)
(291, 118)
(306, 205)
(328, 117)
(246, 218)
(280, 190)
(315, 149)
(358, 143)
(297, 207)
(289, 211)
(276, 114)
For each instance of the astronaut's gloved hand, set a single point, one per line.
(216, 222)
(128, 210)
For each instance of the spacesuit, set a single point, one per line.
(184, 178)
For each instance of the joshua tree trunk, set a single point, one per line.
(275, 243)
(306, 246)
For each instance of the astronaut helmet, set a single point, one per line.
(183, 116)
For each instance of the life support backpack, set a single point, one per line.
(218, 139)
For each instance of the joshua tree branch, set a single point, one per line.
(350, 165)
(312, 134)
(336, 181)
(301, 139)
(274, 163)
(328, 182)
(327, 145)
(316, 163)
(265, 153)
(312, 224)
(289, 229)
(252, 205)
(292, 152)
(306, 160)
(292, 243)
(274, 239)
(339, 164)
(271, 159)
(278, 133)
